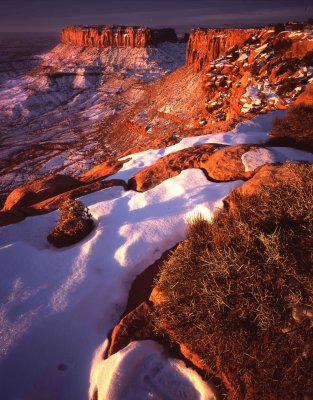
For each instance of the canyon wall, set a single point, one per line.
(116, 36)
(206, 45)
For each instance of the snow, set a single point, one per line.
(254, 131)
(142, 371)
(243, 57)
(253, 159)
(252, 92)
(59, 304)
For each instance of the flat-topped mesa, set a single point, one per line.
(206, 45)
(116, 36)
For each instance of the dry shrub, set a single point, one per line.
(296, 129)
(228, 292)
(73, 224)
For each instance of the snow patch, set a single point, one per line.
(142, 371)
(253, 159)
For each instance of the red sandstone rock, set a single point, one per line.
(268, 175)
(136, 325)
(39, 190)
(307, 96)
(206, 45)
(54, 202)
(116, 36)
(102, 170)
(226, 164)
(168, 167)
(11, 217)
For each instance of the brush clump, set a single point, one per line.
(239, 291)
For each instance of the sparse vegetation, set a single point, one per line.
(74, 224)
(230, 292)
(296, 129)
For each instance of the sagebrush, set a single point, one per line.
(229, 291)
(74, 224)
(296, 129)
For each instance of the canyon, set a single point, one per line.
(77, 102)
(149, 131)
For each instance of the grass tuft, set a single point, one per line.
(231, 290)
(296, 129)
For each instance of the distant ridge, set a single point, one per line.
(116, 36)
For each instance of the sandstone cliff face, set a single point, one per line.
(206, 45)
(249, 71)
(116, 36)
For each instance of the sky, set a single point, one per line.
(52, 15)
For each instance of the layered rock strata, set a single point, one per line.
(205, 45)
(251, 71)
(116, 36)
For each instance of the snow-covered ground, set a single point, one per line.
(58, 106)
(58, 305)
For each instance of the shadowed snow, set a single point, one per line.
(59, 304)
(141, 371)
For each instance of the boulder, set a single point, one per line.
(226, 164)
(102, 170)
(38, 190)
(169, 166)
(54, 202)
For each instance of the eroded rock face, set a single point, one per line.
(250, 71)
(39, 190)
(169, 166)
(206, 45)
(116, 36)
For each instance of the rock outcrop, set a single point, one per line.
(39, 190)
(136, 325)
(251, 71)
(206, 45)
(226, 164)
(116, 36)
(169, 166)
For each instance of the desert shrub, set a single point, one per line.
(230, 290)
(73, 224)
(296, 129)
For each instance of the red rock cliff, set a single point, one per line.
(116, 36)
(205, 45)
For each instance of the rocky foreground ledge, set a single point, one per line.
(116, 36)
